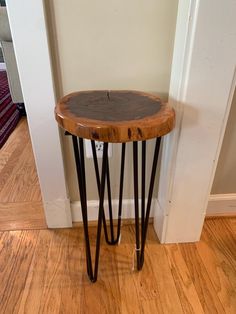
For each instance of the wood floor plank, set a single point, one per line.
(20, 196)
(167, 291)
(104, 296)
(220, 270)
(21, 131)
(109, 278)
(33, 194)
(232, 224)
(71, 301)
(15, 140)
(21, 173)
(24, 215)
(161, 288)
(146, 292)
(148, 289)
(32, 298)
(223, 237)
(9, 246)
(45, 272)
(9, 165)
(47, 276)
(150, 307)
(183, 281)
(202, 282)
(55, 278)
(19, 179)
(125, 276)
(26, 178)
(13, 291)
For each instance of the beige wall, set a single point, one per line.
(106, 44)
(225, 177)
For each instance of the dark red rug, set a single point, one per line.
(9, 114)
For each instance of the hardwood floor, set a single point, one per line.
(20, 197)
(44, 271)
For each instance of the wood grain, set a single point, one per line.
(201, 280)
(21, 179)
(220, 268)
(34, 286)
(232, 224)
(127, 279)
(9, 246)
(168, 295)
(11, 151)
(44, 272)
(20, 196)
(22, 215)
(114, 116)
(13, 291)
(184, 285)
(20, 134)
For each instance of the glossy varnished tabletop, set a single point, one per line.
(114, 116)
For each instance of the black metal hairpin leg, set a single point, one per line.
(122, 166)
(143, 187)
(113, 240)
(144, 216)
(98, 186)
(83, 200)
(101, 183)
(101, 209)
(80, 167)
(136, 202)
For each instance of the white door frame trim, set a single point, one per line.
(185, 27)
(28, 27)
(201, 91)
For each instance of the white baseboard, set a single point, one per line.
(221, 205)
(127, 209)
(2, 66)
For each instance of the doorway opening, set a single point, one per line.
(20, 196)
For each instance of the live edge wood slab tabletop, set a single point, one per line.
(114, 116)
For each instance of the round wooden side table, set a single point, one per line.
(114, 117)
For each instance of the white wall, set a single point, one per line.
(222, 201)
(225, 176)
